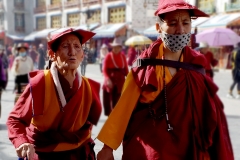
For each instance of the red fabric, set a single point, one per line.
(110, 71)
(31, 103)
(210, 59)
(165, 6)
(194, 110)
(108, 63)
(149, 81)
(196, 115)
(85, 35)
(85, 152)
(67, 90)
(131, 55)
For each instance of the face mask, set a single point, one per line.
(22, 54)
(175, 42)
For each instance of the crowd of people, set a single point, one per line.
(161, 100)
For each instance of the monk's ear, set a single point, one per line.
(158, 27)
(51, 55)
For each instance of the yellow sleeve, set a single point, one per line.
(113, 130)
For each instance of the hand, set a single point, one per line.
(109, 83)
(105, 154)
(25, 150)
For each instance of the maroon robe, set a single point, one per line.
(22, 131)
(195, 112)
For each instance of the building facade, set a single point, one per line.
(16, 18)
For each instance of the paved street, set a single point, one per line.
(222, 79)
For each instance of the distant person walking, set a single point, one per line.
(42, 56)
(5, 63)
(115, 69)
(85, 61)
(103, 52)
(34, 55)
(3, 80)
(211, 61)
(235, 73)
(22, 65)
(131, 55)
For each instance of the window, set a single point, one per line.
(55, 2)
(19, 22)
(41, 23)
(40, 3)
(18, 3)
(56, 22)
(73, 19)
(94, 16)
(117, 15)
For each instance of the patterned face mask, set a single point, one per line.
(175, 42)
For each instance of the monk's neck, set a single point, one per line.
(172, 56)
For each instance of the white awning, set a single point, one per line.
(15, 37)
(30, 37)
(151, 32)
(197, 22)
(88, 27)
(221, 20)
(110, 30)
(39, 34)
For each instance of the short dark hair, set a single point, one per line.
(55, 44)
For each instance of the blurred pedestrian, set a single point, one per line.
(235, 73)
(34, 55)
(131, 55)
(115, 69)
(22, 65)
(103, 52)
(42, 56)
(168, 109)
(5, 63)
(84, 61)
(212, 62)
(14, 50)
(53, 118)
(3, 80)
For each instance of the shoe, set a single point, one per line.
(238, 96)
(230, 96)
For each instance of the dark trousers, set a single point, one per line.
(233, 85)
(83, 69)
(19, 81)
(110, 99)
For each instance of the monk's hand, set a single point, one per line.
(105, 154)
(109, 83)
(25, 150)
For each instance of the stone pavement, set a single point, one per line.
(222, 79)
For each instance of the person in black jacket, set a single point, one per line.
(42, 57)
(235, 73)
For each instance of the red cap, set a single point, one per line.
(165, 6)
(83, 35)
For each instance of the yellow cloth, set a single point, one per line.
(113, 131)
(234, 58)
(49, 118)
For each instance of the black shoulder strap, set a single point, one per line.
(169, 63)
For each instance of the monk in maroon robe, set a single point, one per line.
(115, 69)
(54, 116)
(168, 109)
